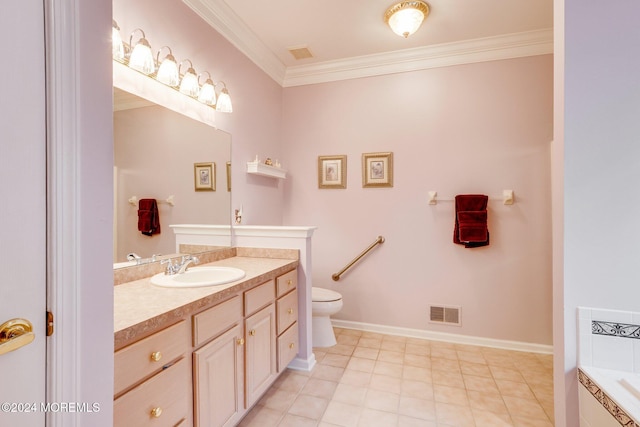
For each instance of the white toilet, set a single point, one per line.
(324, 303)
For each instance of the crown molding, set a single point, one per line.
(222, 18)
(443, 55)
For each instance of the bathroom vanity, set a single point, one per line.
(204, 356)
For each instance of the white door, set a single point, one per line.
(22, 210)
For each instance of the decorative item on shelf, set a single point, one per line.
(405, 18)
(268, 162)
(377, 169)
(165, 70)
(258, 168)
(277, 163)
(332, 172)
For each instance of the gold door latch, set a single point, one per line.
(15, 333)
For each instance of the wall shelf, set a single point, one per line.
(257, 168)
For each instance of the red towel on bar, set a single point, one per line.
(471, 220)
(148, 217)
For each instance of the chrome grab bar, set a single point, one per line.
(378, 241)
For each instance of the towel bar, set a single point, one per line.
(507, 198)
(133, 201)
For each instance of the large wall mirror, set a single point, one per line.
(155, 155)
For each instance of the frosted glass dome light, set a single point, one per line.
(405, 17)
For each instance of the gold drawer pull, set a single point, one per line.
(289, 282)
(252, 332)
(240, 341)
(156, 412)
(156, 356)
(291, 346)
(290, 311)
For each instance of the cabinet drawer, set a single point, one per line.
(287, 311)
(287, 347)
(162, 400)
(212, 322)
(287, 282)
(141, 359)
(259, 297)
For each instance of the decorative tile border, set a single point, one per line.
(618, 413)
(615, 329)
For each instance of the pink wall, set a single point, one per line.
(155, 152)
(255, 124)
(477, 128)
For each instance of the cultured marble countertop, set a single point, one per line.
(614, 388)
(141, 308)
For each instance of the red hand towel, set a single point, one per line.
(474, 224)
(148, 217)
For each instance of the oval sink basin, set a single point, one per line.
(196, 277)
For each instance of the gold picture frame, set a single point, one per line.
(377, 169)
(332, 172)
(204, 175)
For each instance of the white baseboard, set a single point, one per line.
(446, 337)
(299, 364)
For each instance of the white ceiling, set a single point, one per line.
(349, 38)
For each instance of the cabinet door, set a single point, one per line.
(219, 380)
(261, 352)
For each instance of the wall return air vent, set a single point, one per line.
(444, 314)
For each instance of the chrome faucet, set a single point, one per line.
(186, 260)
(171, 267)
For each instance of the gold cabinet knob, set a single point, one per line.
(290, 311)
(252, 332)
(156, 412)
(156, 356)
(240, 341)
(289, 282)
(291, 346)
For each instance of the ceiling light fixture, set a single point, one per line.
(168, 72)
(405, 17)
(224, 100)
(141, 58)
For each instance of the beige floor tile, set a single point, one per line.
(326, 372)
(490, 419)
(524, 408)
(453, 379)
(449, 365)
(369, 342)
(386, 383)
(420, 389)
(360, 364)
(374, 335)
(382, 400)
(375, 418)
(309, 406)
(524, 422)
(386, 368)
(278, 399)
(452, 395)
(291, 381)
(473, 357)
(344, 339)
(514, 388)
(487, 385)
(417, 373)
(393, 345)
(444, 353)
(338, 360)
(487, 402)
(477, 369)
(510, 374)
(351, 394)
(417, 360)
(417, 408)
(405, 421)
(357, 378)
(319, 388)
(366, 353)
(345, 350)
(290, 420)
(419, 349)
(454, 415)
(391, 356)
(342, 414)
(261, 416)
(353, 332)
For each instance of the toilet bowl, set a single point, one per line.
(324, 303)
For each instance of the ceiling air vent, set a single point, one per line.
(442, 314)
(300, 52)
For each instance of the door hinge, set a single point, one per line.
(49, 323)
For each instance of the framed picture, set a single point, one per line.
(377, 169)
(228, 176)
(332, 171)
(204, 176)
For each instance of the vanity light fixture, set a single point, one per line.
(116, 42)
(189, 84)
(207, 93)
(405, 17)
(167, 69)
(224, 100)
(141, 58)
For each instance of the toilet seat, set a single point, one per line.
(324, 295)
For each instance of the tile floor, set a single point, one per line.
(372, 380)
